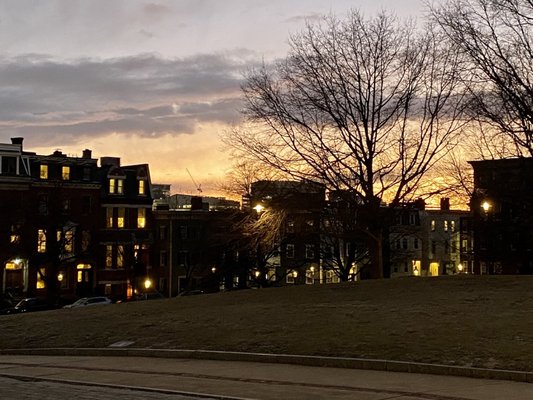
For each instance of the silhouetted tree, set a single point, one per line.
(367, 105)
(496, 36)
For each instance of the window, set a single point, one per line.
(183, 232)
(120, 186)
(41, 274)
(404, 244)
(112, 183)
(310, 276)
(309, 251)
(162, 232)
(65, 173)
(412, 219)
(309, 224)
(15, 236)
(120, 256)
(446, 247)
(433, 248)
(452, 226)
(62, 279)
(9, 165)
(290, 251)
(43, 171)
(141, 218)
(65, 206)
(120, 217)
(433, 224)
(141, 187)
(43, 204)
(109, 217)
(109, 256)
(86, 174)
(415, 243)
(41, 241)
(85, 240)
(290, 226)
(445, 226)
(291, 275)
(68, 245)
(163, 258)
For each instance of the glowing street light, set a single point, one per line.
(486, 206)
(460, 268)
(147, 283)
(259, 208)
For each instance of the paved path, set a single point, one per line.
(243, 380)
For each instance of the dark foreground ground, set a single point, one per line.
(464, 320)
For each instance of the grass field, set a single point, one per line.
(464, 320)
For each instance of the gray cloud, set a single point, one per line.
(59, 101)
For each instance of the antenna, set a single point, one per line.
(198, 187)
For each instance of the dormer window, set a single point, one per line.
(65, 173)
(43, 173)
(142, 190)
(116, 186)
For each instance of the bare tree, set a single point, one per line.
(497, 38)
(238, 181)
(367, 105)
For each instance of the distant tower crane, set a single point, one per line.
(198, 187)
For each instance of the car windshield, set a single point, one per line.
(80, 301)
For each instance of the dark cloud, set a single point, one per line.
(145, 94)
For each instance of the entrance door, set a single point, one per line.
(84, 280)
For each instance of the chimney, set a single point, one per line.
(17, 140)
(87, 153)
(445, 204)
(110, 161)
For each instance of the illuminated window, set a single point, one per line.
(291, 275)
(41, 241)
(41, 273)
(452, 226)
(445, 226)
(141, 218)
(68, 244)
(120, 217)
(112, 188)
(433, 224)
(65, 173)
(290, 251)
(141, 187)
(120, 186)
(109, 217)
(310, 276)
(14, 238)
(109, 256)
(43, 171)
(120, 256)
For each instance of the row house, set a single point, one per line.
(425, 242)
(55, 237)
(502, 217)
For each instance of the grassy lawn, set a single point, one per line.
(471, 321)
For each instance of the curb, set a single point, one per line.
(313, 361)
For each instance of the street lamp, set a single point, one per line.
(486, 206)
(259, 208)
(147, 283)
(460, 268)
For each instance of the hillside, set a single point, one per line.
(463, 320)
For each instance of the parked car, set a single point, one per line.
(31, 304)
(89, 301)
(191, 292)
(149, 296)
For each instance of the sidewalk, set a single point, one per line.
(251, 380)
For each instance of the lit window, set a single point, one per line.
(291, 275)
(310, 276)
(65, 173)
(141, 187)
(68, 244)
(41, 274)
(141, 218)
(109, 256)
(433, 225)
(112, 186)
(43, 171)
(41, 241)
(120, 186)
(120, 218)
(109, 217)
(309, 251)
(120, 256)
(290, 251)
(452, 226)
(445, 226)
(14, 238)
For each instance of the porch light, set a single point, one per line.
(60, 277)
(147, 283)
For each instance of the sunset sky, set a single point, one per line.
(150, 82)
